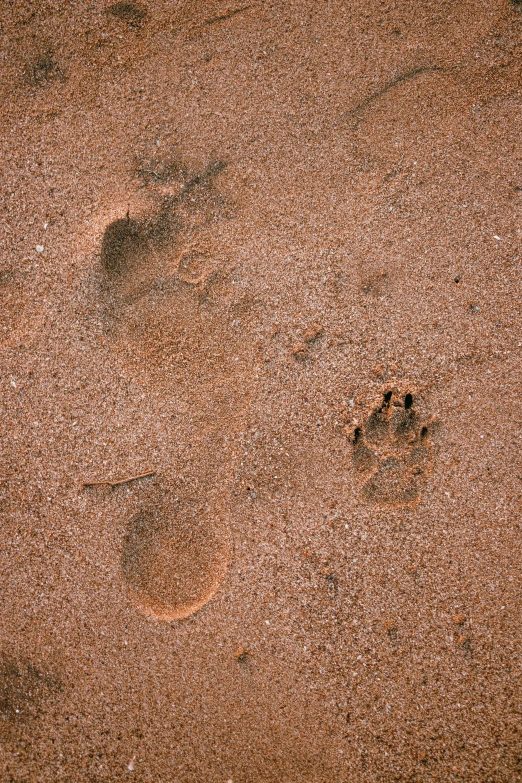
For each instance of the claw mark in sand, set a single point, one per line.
(401, 79)
(226, 15)
(196, 28)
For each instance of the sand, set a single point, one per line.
(260, 340)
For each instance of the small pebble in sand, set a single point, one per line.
(39, 248)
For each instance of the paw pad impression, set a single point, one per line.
(393, 451)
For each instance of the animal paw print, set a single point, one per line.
(393, 452)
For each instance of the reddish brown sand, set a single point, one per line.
(268, 252)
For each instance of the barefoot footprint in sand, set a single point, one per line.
(393, 452)
(169, 311)
(172, 564)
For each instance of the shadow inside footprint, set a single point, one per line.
(126, 242)
(122, 243)
(392, 450)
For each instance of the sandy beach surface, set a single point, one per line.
(260, 477)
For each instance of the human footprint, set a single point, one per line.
(172, 315)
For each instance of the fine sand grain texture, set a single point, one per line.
(260, 476)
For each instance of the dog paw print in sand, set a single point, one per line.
(173, 563)
(393, 451)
